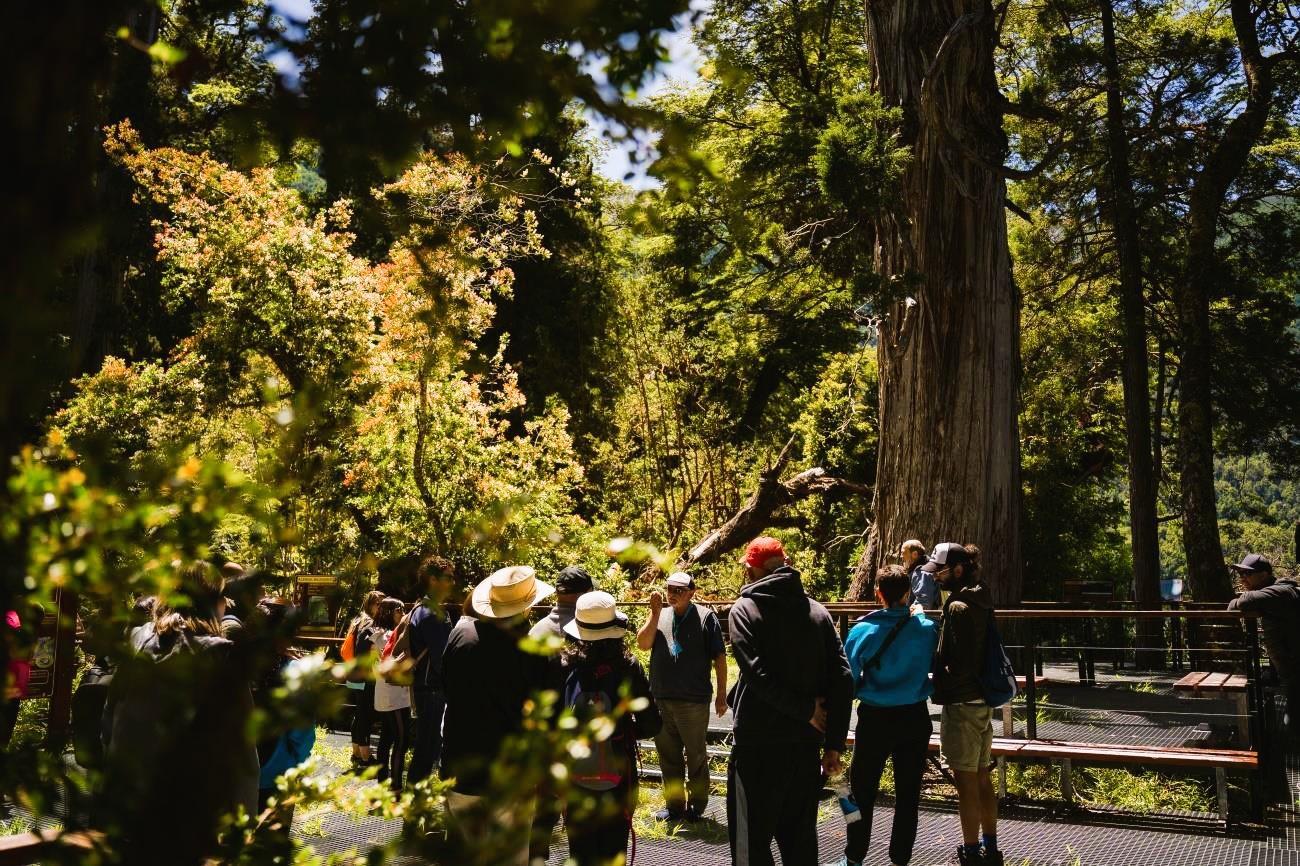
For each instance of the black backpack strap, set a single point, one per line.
(874, 661)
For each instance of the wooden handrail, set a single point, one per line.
(23, 849)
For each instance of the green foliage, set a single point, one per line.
(859, 164)
(1181, 83)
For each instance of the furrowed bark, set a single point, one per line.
(949, 452)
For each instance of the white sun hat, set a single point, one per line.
(596, 617)
(508, 592)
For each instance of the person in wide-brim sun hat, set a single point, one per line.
(509, 592)
(597, 617)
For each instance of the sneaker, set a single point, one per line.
(961, 858)
(843, 861)
(693, 815)
(991, 858)
(668, 815)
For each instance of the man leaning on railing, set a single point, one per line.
(1277, 602)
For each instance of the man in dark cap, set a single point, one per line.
(1277, 602)
(571, 582)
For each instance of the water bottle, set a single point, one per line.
(848, 805)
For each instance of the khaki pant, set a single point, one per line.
(685, 729)
(502, 828)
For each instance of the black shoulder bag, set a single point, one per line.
(874, 662)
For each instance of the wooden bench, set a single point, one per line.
(1204, 684)
(1067, 754)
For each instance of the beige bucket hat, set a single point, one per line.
(508, 592)
(597, 617)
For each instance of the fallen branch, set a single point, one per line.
(759, 512)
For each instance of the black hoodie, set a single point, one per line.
(789, 654)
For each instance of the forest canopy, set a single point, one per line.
(346, 288)
(400, 296)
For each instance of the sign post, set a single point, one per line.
(54, 662)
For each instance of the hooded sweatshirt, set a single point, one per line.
(966, 617)
(789, 654)
(1278, 606)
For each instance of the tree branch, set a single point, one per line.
(760, 511)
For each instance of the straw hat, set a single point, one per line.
(596, 618)
(509, 592)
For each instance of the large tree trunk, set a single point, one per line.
(1136, 378)
(1201, 543)
(949, 454)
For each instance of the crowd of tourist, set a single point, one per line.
(173, 713)
(175, 710)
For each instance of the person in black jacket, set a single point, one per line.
(178, 756)
(791, 706)
(486, 678)
(1277, 602)
(597, 668)
(966, 723)
(425, 637)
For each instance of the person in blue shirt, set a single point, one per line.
(890, 652)
(925, 591)
(426, 633)
(279, 754)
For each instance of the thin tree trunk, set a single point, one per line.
(1136, 379)
(1201, 543)
(949, 453)
(1158, 424)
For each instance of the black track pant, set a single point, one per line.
(772, 793)
(363, 715)
(901, 734)
(394, 740)
(427, 736)
(598, 830)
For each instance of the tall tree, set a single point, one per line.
(1142, 487)
(1204, 271)
(949, 454)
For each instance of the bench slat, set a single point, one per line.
(1108, 753)
(1213, 681)
(1191, 681)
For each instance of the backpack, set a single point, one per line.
(610, 762)
(997, 678)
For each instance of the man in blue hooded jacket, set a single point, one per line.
(890, 652)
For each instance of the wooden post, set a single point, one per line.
(1031, 704)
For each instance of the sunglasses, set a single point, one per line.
(677, 590)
